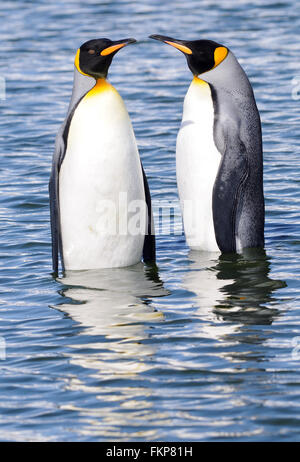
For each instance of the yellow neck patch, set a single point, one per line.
(198, 81)
(219, 55)
(76, 62)
(101, 86)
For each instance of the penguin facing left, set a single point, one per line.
(96, 161)
(219, 162)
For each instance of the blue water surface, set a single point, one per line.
(208, 347)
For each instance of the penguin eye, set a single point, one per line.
(91, 52)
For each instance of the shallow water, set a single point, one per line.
(206, 348)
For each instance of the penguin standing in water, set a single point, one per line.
(96, 161)
(219, 152)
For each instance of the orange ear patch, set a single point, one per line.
(76, 62)
(219, 55)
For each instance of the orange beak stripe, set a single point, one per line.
(109, 50)
(182, 48)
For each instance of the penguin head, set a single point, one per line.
(201, 55)
(94, 57)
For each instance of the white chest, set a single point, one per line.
(99, 178)
(197, 163)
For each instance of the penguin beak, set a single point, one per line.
(117, 45)
(179, 44)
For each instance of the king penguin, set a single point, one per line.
(219, 163)
(97, 176)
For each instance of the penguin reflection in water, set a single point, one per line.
(95, 161)
(219, 152)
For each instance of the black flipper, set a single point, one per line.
(58, 157)
(228, 191)
(54, 213)
(149, 252)
(82, 85)
(54, 219)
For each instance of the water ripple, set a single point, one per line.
(205, 348)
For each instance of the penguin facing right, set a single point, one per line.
(97, 180)
(219, 162)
